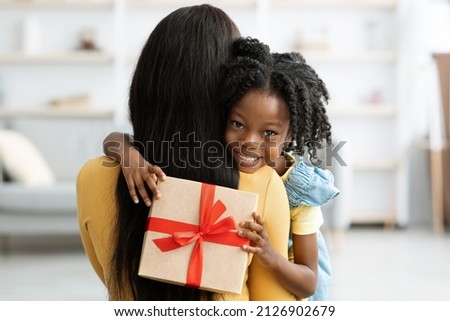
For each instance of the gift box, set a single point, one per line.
(191, 237)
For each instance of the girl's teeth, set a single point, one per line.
(248, 158)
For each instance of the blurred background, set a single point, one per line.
(65, 67)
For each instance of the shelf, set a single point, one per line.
(366, 110)
(384, 217)
(58, 58)
(349, 57)
(54, 4)
(149, 4)
(376, 165)
(56, 112)
(335, 4)
(335, 56)
(425, 143)
(108, 4)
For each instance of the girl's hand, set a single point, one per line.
(259, 240)
(138, 173)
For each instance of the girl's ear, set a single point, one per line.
(290, 136)
(290, 143)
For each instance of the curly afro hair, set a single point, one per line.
(288, 76)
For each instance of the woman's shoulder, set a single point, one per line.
(268, 185)
(99, 169)
(265, 173)
(96, 186)
(264, 176)
(100, 164)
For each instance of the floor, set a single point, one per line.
(385, 264)
(368, 264)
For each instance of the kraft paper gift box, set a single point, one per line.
(191, 238)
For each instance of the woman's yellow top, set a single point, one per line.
(96, 206)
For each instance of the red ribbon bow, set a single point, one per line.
(209, 230)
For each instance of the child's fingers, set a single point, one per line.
(257, 226)
(251, 249)
(258, 219)
(132, 190)
(253, 226)
(158, 172)
(150, 175)
(150, 180)
(143, 191)
(252, 236)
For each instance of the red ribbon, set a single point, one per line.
(209, 230)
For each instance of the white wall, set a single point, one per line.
(427, 31)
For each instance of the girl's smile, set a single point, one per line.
(247, 161)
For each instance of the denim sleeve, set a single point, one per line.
(309, 185)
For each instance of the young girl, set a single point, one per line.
(271, 100)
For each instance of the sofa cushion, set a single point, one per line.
(22, 161)
(59, 197)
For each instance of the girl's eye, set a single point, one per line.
(269, 133)
(236, 124)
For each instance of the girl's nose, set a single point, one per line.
(251, 140)
(250, 145)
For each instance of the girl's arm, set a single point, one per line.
(299, 277)
(139, 174)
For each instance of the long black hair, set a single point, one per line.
(177, 124)
(288, 76)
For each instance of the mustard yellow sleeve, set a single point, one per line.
(263, 285)
(83, 214)
(96, 211)
(306, 219)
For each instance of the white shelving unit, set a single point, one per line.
(382, 165)
(122, 26)
(77, 112)
(335, 4)
(173, 4)
(78, 57)
(365, 108)
(350, 56)
(55, 4)
(59, 63)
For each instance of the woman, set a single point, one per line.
(173, 102)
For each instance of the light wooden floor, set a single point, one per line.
(368, 264)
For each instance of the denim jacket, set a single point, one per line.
(313, 186)
(309, 185)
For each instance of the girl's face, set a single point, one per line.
(257, 127)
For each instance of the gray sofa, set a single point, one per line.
(66, 145)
